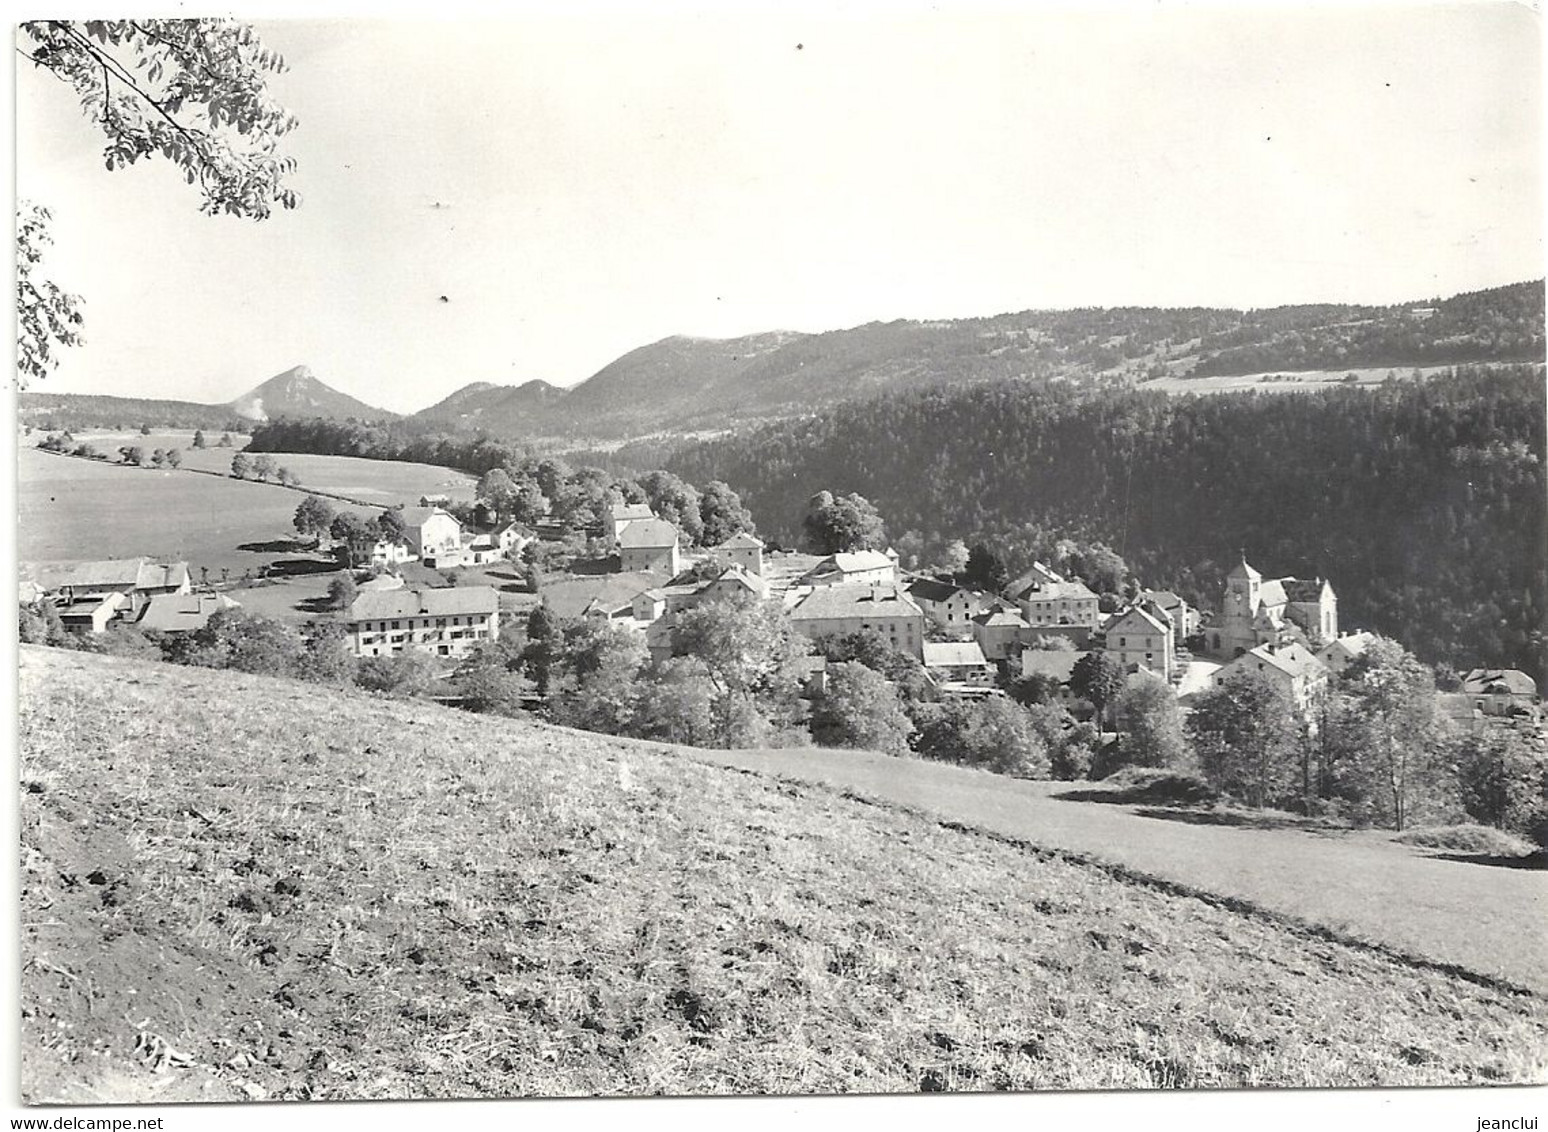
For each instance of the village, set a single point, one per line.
(1041, 628)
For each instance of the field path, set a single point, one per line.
(1485, 919)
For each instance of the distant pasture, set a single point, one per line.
(69, 510)
(383, 482)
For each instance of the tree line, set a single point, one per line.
(1420, 501)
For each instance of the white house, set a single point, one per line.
(742, 549)
(1000, 631)
(887, 611)
(650, 545)
(957, 667)
(1344, 649)
(616, 519)
(854, 568)
(92, 614)
(1142, 635)
(1291, 666)
(947, 604)
(434, 536)
(447, 622)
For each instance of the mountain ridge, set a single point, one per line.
(685, 383)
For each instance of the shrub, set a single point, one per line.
(1175, 787)
(406, 674)
(1482, 840)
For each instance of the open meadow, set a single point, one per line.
(71, 509)
(377, 482)
(237, 887)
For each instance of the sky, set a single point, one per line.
(581, 181)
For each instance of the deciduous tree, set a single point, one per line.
(1098, 678)
(314, 515)
(723, 513)
(192, 91)
(1244, 735)
(47, 316)
(1151, 723)
(860, 708)
(835, 525)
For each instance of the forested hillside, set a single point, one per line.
(1421, 501)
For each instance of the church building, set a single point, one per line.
(1271, 611)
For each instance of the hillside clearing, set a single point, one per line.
(277, 890)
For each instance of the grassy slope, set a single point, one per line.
(290, 891)
(1485, 920)
(71, 509)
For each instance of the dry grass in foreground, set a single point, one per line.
(268, 889)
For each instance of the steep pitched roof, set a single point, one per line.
(828, 602)
(140, 573)
(1486, 680)
(933, 589)
(1350, 645)
(116, 572)
(1038, 573)
(1242, 570)
(1000, 618)
(1304, 589)
(648, 534)
(451, 602)
(741, 541)
(1147, 621)
(1272, 592)
(953, 654)
(1292, 659)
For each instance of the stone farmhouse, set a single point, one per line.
(741, 549)
(1184, 618)
(958, 669)
(1000, 631)
(91, 594)
(650, 545)
(1500, 691)
(885, 610)
(135, 578)
(1044, 598)
(945, 603)
(1291, 666)
(616, 519)
(1343, 650)
(433, 536)
(447, 622)
(855, 568)
(1258, 611)
(1142, 636)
